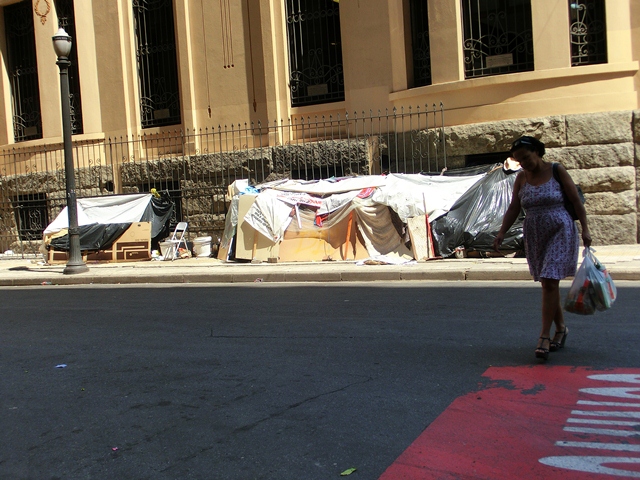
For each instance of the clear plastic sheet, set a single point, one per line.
(475, 219)
(230, 223)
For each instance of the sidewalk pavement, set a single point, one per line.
(623, 261)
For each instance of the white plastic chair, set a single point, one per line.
(177, 238)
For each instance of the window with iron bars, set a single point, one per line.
(66, 20)
(315, 52)
(420, 43)
(157, 64)
(31, 214)
(588, 27)
(23, 71)
(497, 37)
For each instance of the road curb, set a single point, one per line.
(447, 271)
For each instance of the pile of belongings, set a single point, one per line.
(102, 220)
(379, 217)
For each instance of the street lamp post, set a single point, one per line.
(62, 47)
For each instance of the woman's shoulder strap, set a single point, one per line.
(554, 167)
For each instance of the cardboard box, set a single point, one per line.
(133, 245)
(252, 245)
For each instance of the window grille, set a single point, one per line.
(157, 64)
(31, 215)
(497, 37)
(420, 43)
(66, 20)
(588, 27)
(23, 71)
(315, 52)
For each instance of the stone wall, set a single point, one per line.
(601, 151)
(90, 181)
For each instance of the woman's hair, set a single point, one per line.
(530, 143)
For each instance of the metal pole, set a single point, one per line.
(75, 263)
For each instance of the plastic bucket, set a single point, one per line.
(202, 246)
(165, 247)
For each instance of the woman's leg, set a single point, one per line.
(551, 311)
(560, 335)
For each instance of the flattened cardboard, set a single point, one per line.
(251, 245)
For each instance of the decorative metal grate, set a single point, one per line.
(315, 52)
(31, 215)
(23, 71)
(420, 43)
(497, 37)
(588, 27)
(157, 64)
(66, 20)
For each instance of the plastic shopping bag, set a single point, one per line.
(592, 288)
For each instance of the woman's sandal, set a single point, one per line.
(542, 352)
(558, 344)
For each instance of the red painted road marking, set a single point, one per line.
(533, 423)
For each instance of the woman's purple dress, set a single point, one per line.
(550, 235)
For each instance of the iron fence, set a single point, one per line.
(195, 168)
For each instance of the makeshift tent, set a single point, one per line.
(339, 219)
(104, 220)
(476, 217)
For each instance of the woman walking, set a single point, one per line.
(550, 234)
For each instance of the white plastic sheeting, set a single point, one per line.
(379, 235)
(104, 210)
(407, 194)
(269, 215)
(329, 187)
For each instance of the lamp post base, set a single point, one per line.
(74, 268)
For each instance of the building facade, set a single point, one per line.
(187, 95)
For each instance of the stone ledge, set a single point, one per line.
(435, 274)
(368, 275)
(519, 274)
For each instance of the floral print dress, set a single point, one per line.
(550, 235)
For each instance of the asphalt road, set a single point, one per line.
(261, 381)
